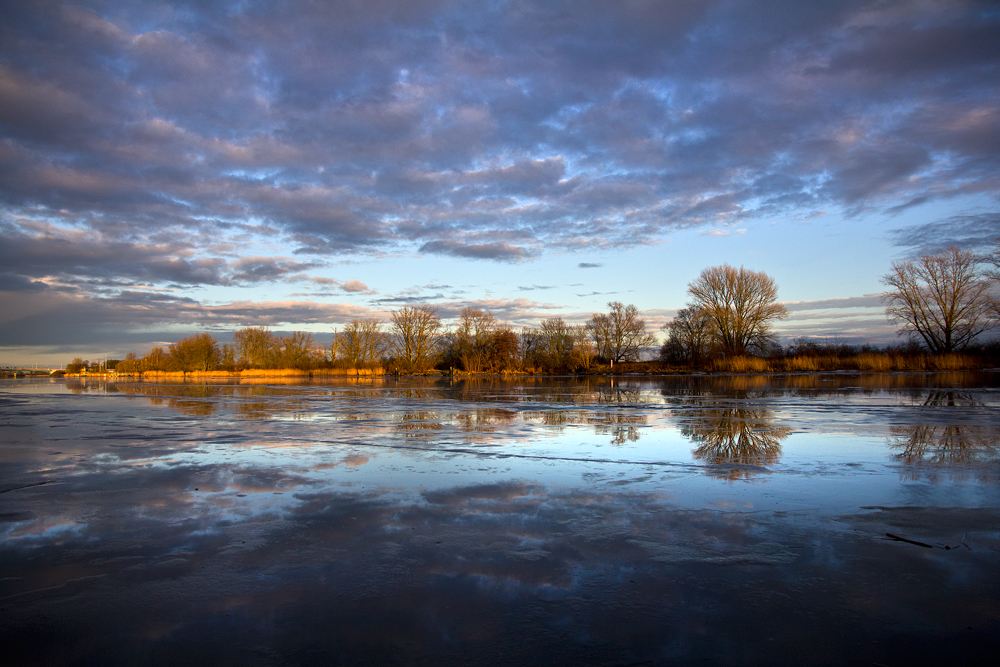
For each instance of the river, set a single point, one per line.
(818, 519)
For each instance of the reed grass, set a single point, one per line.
(876, 363)
(953, 362)
(348, 372)
(273, 373)
(801, 364)
(741, 365)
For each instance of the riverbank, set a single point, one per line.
(859, 363)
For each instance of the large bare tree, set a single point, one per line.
(361, 343)
(620, 334)
(943, 299)
(740, 305)
(416, 330)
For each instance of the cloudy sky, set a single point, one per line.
(167, 168)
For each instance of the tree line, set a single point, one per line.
(942, 301)
(415, 340)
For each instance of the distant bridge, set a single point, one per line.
(29, 370)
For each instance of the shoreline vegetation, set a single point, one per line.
(878, 361)
(943, 302)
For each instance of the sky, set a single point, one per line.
(172, 168)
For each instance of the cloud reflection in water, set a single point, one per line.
(492, 523)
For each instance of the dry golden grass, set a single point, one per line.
(952, 362)
(741, 365)
(348, 372)
(802, 364)
(273, 373)
(876, 363)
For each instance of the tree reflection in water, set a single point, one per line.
(947, 445)
(742, 437)
(621, 426)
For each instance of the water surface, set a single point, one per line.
(738, 520)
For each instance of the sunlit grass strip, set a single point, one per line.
(741, 365)
(349, 372)
(877, 363)
(266, 373)
(874, 362)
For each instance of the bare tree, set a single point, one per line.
(194, 353)
(530, 344)
(299, 350)
(504, 353)
(255, 347)
(155, 360)
(130, 364)
(689, 337)
(620, 335)
(362, 342)
(227, 356)
(556, 342)
(473, 338)
(740, 305)
(943, 298)
(417, 330)
(584, 349)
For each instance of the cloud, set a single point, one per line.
(865, 301)
(588, 265)
(973, 231)
(97, 259)
(41, 319)
(355, 286)
(234, 145)
(266, 269)
(853, 320)
(351, 286)
(487, 133)
(498, 251)
(46, 251)
(410, 299)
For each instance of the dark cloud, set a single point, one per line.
(866, 301)
(588, 265)
(93, 259)
(410, 299)
(44, 316)
(38, 251)
(261, 269)
(499, 251)
(53, 318)
(149, 132)
(969, 232)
